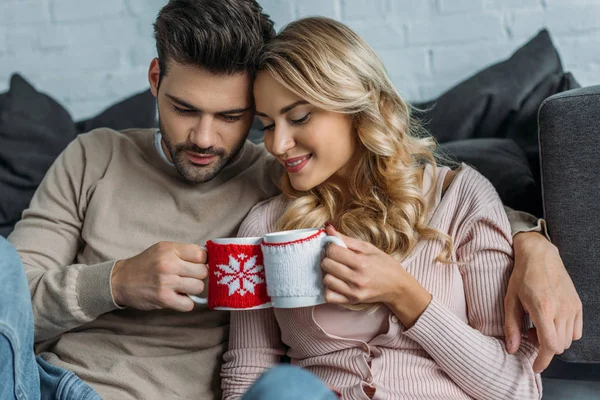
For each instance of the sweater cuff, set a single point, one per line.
(94, 289)
(523, 222)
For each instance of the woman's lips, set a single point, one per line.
(295, 165)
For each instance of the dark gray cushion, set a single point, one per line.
(489, 103)
(502, 100)
(505, 165)
(34, 129)
(569, 142)
(136, 111)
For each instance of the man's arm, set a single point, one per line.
(64, 294)
(541, 287)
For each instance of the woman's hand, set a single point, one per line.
(541, 286)
(363, 274)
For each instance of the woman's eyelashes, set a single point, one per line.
(299, 121)
(267, 127)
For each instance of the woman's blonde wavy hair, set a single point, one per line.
(325, 63)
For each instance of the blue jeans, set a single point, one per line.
(286, 382)
(22, 375)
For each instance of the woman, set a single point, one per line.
(415, 304)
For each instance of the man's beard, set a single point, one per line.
(192, 172)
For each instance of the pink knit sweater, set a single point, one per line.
(455, 350)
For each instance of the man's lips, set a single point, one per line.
(200, 159)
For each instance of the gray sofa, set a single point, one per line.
(569, 135)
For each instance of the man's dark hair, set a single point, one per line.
(222, 36)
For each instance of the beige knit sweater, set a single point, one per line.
(110, 196)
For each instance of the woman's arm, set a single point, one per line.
(474, 354)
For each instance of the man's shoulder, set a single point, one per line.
(106, 136)
(95, 150)
(262, 166)
(257, 151)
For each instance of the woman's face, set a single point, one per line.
(312, 144)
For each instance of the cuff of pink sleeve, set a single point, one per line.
(94, 289)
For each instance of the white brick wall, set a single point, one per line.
(91, 53)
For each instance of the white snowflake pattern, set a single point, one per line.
(240, 277)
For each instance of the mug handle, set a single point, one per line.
(334, 240)
(196, 299)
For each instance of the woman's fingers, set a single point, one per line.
(337, 269)
(337, 285)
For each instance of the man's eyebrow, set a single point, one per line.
(181, 102)
(235, 111)
(191, 107)
(284, 109)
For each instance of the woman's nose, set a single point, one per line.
(283, 141)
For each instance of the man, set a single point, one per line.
(110, 242)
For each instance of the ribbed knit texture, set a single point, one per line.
(294, 269)
(456, 348)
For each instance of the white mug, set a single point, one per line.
(293, 266)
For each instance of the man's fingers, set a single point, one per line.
(578, 326)
(568, 334)
(543, 359)
(549, 343)
(179, 302)
(548, 334)
(513, 324)
(189, 286)
(190, 252)
(191, 270)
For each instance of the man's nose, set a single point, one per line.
(202, 133)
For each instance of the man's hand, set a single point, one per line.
(541, 287)
(160, 277)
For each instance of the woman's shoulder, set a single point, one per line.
(263, 217)
(470, 194)
(472, 185)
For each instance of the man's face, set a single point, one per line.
(204, 118)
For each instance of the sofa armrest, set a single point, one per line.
(569, 135)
